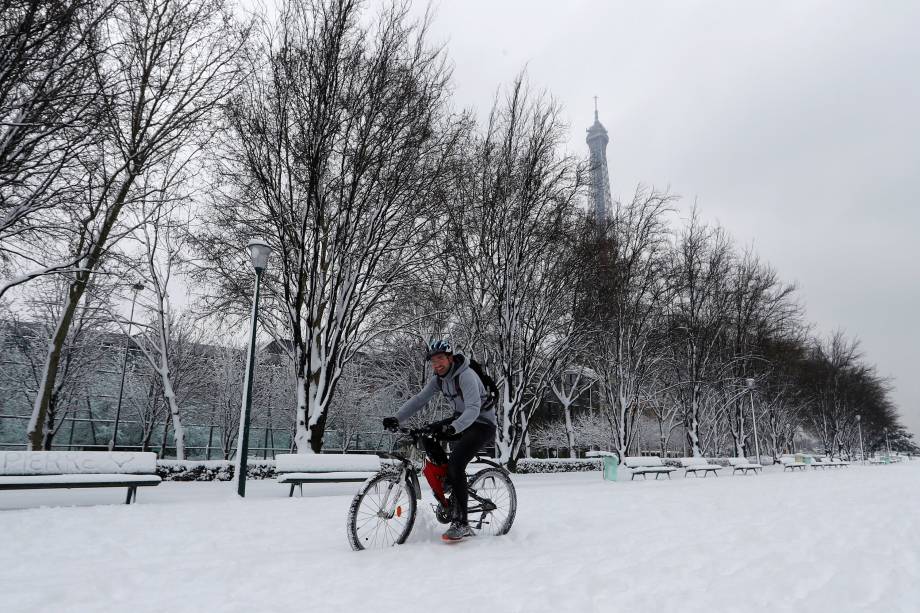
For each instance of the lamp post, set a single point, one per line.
(124, 365)
(750, 386)
(258, 253)
(862, 451)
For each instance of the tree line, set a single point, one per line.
(143, 142)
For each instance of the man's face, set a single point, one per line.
(441, 362)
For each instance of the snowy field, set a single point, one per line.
(831, 541)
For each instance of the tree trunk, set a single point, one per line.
(737, 431)
(178, 428)
(37, 422)
(569, 429)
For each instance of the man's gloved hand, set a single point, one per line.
(391, 424)
(442, 430)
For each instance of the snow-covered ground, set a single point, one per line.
(834, 541)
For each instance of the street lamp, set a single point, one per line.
(750, 386)
(258, 253)
(862, 451)
(137, 287)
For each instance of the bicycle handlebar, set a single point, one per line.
(416, 433)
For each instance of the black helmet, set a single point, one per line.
(436, 347)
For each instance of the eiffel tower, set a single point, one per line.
(597, 140)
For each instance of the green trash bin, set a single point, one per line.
(610, 467)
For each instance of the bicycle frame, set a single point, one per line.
(409, 473)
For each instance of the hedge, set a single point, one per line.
(557, 465)
(212, 470)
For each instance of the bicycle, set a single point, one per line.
(383, 512)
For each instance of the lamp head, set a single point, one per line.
(750, 383)
(258, 254)
(859, 418)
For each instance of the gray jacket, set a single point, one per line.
(467, 409)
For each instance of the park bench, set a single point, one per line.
(821, 463)
(295, 469)
(789, 463)
(744, 465)
(646, 465)
(30, 470)
(699, 465)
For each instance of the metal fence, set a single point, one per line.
(202, 440)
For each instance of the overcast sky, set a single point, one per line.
(793, 124)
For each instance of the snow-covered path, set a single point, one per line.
(833, 541)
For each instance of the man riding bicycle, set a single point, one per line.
(471, 427)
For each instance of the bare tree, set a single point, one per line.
(164, 67)
(338, 141)
(568, 387)
(170, 342)
(512, 224)
(83, 354)
(698, 317)
(553, 434)
(761, 309)
(664, 404)
(223, 386)
(630, 343)
(144, 395)
(48, 117)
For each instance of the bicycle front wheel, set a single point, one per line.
(382, 513)
(493, 502)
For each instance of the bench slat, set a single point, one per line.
(328, 476)
(76, 485)
(78, 480)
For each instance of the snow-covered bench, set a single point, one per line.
(789, 463)
(30, 470)
(744, 465)
(646, 465)
(699, 465)
(299, 468)
(828, 463)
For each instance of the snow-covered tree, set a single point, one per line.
(83, 355)
(568, 386)
(630, 343)
(698, 317)
(510, 243)
(49, 107)
(337, 142)
(162, 68)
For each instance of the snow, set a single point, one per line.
(821, 541)
(333, 476)
(325, 462)
(76, 462)
(742, 463)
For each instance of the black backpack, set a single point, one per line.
(487, 381)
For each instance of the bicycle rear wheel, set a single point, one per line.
(381, 514)
(493, 502)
